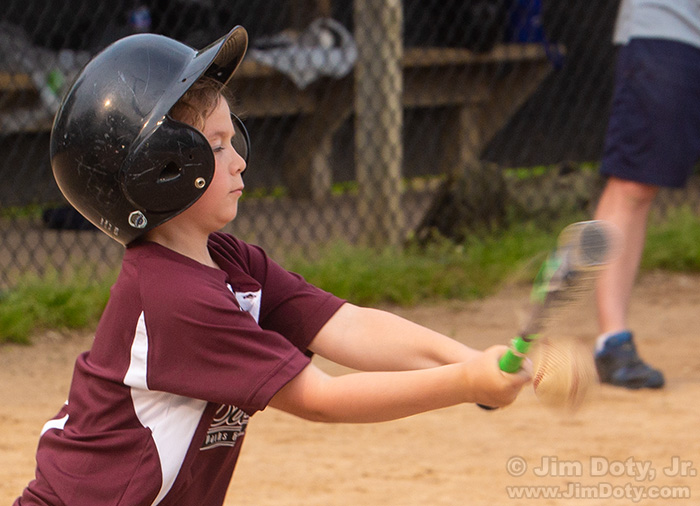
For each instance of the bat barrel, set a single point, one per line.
(588, 243)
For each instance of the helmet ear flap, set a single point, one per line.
(168, 171)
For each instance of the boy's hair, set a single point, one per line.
(195, 106)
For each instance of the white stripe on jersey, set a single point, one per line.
(171, 418)
(56, 423)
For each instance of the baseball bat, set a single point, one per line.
(583, 249)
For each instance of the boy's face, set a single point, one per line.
(219, 204)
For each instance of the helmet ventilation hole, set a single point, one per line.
(171, 172)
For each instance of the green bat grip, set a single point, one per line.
(513, 358)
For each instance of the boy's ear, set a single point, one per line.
(168, 171)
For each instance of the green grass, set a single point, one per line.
(49, 302)
(31, 211)
(441, 271)
(478, 267)
(674, 243)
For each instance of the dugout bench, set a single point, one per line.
(478, 91)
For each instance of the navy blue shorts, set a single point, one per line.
(653, 133)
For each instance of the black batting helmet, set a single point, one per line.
(117, 156)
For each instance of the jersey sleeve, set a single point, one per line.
(290, 305)
(201, 345)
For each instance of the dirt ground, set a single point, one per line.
(623, 447)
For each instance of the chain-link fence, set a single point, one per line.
(370, 120)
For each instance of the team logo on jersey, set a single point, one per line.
(228, 425)
(250, 302)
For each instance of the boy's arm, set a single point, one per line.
(365, 397)
(375, 340)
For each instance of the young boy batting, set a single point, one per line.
(203, 330)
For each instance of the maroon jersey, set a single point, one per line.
(183, 355)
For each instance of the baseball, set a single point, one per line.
(565, 373)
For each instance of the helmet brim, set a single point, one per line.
(226, 55)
